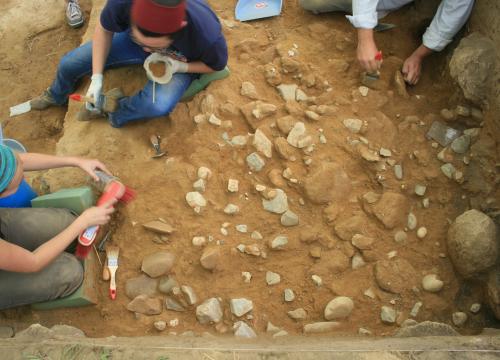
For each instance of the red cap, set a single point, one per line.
(159, 16)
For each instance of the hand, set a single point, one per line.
(412, 67)
(177, 66)
(97, 215)
(90, 165)
(367, 51)
(94, 91)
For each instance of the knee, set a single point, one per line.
(70, 276)
(161, 107)
(310, 5)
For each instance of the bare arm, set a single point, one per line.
(33, 162)
(18, 259)
(101, 43)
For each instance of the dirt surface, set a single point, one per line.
(324, 47)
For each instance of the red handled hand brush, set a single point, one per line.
(114, 189)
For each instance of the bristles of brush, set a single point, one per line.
(82, 251)
(112, 253)
(128, 195)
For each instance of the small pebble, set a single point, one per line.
(400, 237)
(246, 276)
(421, 232)
(412, 221)
(420, 189)
(459, 318)
(232, 185)
(242, 228)
(317, 280)
(160, 325)
(431, 283)
(475, 308)
(289, 295)
(425, 203)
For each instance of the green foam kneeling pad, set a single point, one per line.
(76, 200)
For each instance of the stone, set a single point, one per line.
(398, 172)
(272, 278)
(262, 110)
(199, 185)
(199, 241)
(365, 332)
(297, 133)
(255, 235)
(199, 118)
(210, 258)
(214, 120)
(400, 85)
(362, 242)
(474, 308)
(321, 327)
(160, 325)
(388, 315)
(368, 154)
(317, 280)
(280, 333)
(394, 276)
(240, 307)
(232, 185)
(328, 182)
(6, 332)
(255, 162)
(421, 232)
(385, 152)
(288, 295)
(448, 170)
(431, 283)
(390, 208)
(159, 227)
(263, 144)
(301, 96)
(492, 291)
(253, 249)
(271, 328)
(412, 221)
(339, 308)
(241, 329)
(472, 243)
(286, 123)
(400, 237)
(279, 242)
(190, 294)
(287, 91)
(311, 115)
(248, 90)
(204, 173)
(67, 331)
(140, 285)
(277, 205)
(461, 144)
(208, 104)
(146, 305)
(166, 284)
(459, 318)
(363, 90)
(427, 328)
(195, 199)
(357, 261)
(420, 189)
(246, 276)
(297, 314)
(231, 209)
(158, 263)
(239, 140)
(289, 218)
(448, 115)
(174, 305)
(471, 66)
(315, 252)
(416, 308)
(353, 125)
(35, 332)
(242, 228)
(284, 149)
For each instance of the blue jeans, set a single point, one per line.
(78, 63)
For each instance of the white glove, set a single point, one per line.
(94, 92)
(177, 66)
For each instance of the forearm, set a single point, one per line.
(17, 259)
(422, 52)
(101, 43)
(199, 67)
(365, 36)
(33, 161)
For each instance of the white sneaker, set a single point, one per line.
(74, 15)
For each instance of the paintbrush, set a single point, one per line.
(112, 253)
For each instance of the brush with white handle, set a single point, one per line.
(112, 254)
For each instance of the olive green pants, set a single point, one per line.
(29, 228)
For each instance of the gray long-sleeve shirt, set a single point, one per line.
(450, 17)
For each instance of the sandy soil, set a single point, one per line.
(325, 49)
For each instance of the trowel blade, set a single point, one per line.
(20, 109)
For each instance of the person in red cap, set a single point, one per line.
(187, 31)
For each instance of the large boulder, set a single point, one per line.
(472, 243)
(473, 65)
(328, 182)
